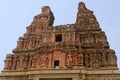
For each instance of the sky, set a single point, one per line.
(16, 15)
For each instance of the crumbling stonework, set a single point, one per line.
(81, 47)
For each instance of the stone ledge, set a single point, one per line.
(104, 72)
(12, 74)
(58, 71)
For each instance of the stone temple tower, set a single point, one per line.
(78, 51)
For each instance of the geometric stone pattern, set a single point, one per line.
(82, 45)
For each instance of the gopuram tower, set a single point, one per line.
(78, 51)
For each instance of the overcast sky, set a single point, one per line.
(16, 15)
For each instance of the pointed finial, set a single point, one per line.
(85, 18)
(46, 9)
(81, 6)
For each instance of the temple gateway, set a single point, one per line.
(78, 51)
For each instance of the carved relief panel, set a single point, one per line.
(49, 37)
(23, 61)
(87, 39)
(80, 59)
(69, 36)
(8, 62)
(71, 59)
(39, 40)
(92, 59)
(42, 60)
(101, 39)
(111, 58)
(95, 60)
(14, 62)
(34, 59)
